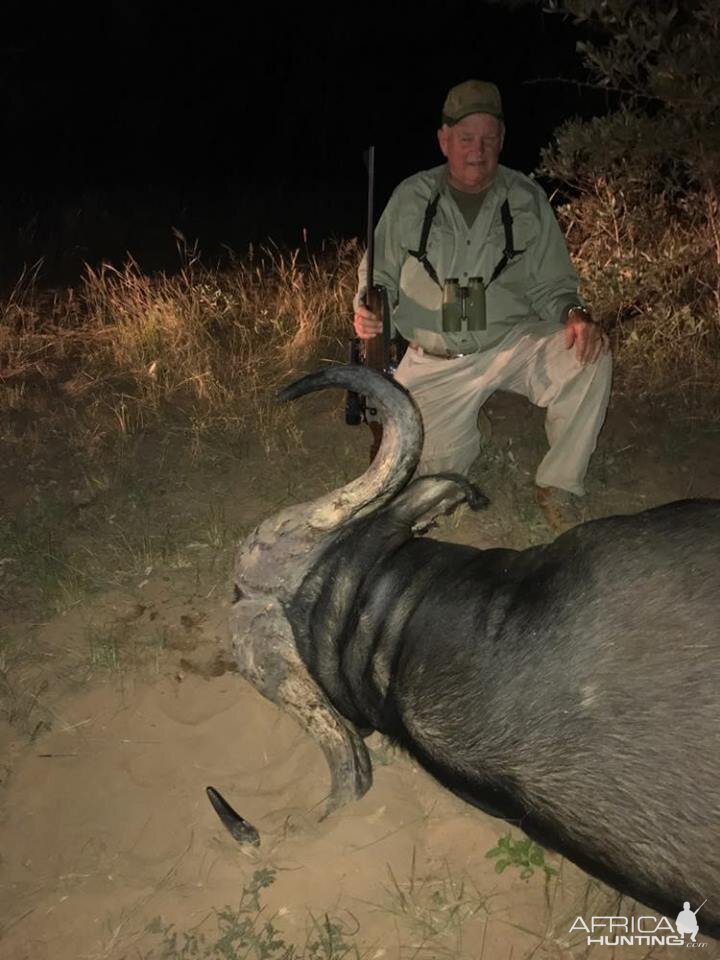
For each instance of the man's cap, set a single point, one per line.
(472, 96)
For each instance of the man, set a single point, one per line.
(473, 218)
(686, 921)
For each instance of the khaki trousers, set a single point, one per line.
(533, 362)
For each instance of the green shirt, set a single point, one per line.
(538, 284)
(468, 203)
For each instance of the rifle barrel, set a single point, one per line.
(371, 218)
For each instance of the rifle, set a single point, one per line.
(382, 353)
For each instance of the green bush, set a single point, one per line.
(641, 206)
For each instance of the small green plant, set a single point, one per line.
(329, 941)
(526, 855)
(244, 934)
(238, 928)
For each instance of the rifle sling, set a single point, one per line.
(421, 252)
(509, 252)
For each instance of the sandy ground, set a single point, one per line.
(123, 707)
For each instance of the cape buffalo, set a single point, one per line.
(572, 688)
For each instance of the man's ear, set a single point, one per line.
(443, 135)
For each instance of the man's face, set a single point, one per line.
(472, 147)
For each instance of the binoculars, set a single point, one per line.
(463, 308)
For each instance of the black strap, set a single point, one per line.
(421, 253)
(509, 252)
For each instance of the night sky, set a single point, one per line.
(236, 123)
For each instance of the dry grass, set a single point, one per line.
(650, 265)
(200, 350)
(203, 350)
(113, 384)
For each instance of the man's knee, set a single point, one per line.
(601, 372)
(561, 365)
(555, 346)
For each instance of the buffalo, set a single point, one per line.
(571, 688)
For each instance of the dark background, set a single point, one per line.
(122, 119)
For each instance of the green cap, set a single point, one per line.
(472, 96)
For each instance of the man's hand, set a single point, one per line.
(366, 324)
(588, 338)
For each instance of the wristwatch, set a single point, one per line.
(579, 308)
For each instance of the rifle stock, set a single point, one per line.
(354, 403)
(377, 349)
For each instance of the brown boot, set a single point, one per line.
(560, 508)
